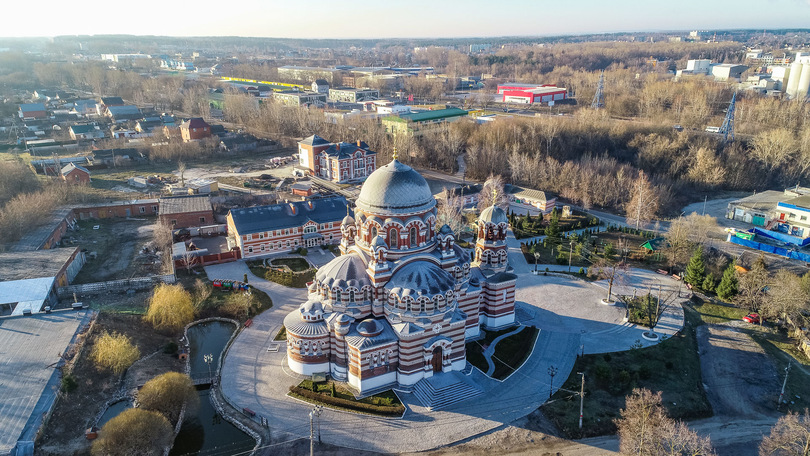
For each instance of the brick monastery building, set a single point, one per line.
(401, 301)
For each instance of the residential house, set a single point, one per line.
(302, 189)
(186, 211)
(29, 111)
(194, 129)
(75, 174)
(85, 107)
(108, 102)
(89, 131)
(415, 123)
(121, 114)
(282, 227)
(338, 162)
(239, 143)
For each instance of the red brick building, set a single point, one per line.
(75, 174)
(283, 227)
(337, 162)
(186, 211)
(194, 129)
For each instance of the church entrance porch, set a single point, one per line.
(436, 362)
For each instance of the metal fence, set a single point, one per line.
(116, 286)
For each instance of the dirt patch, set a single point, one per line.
(739, 378)
(118, 249)
(75, 411)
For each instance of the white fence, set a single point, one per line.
(116, 286)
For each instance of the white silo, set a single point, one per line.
(804, 82)
(793, 79)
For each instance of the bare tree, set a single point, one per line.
(609, 270)
(643, 204)
(790, 436)
(450, 212)
(644, 429)
(181, 169)
(787, 297)
(751, 286)
(493, 186)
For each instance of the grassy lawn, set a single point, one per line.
(510, 353)
(295, 264)
(282, 334)
(673, 366)
(286, 278)
(782, 350)
(713, 313)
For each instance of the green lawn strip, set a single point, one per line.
(782, 350)
(296, 264)
(509, 352)
(672, 366)
(282, 334)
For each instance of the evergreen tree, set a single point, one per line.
(696, 270)
(553, 228)
(709, 282)
(727, 288)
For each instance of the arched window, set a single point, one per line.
(413, 236)
(393, 238)
(351, 295)
(373, 232)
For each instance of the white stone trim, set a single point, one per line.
(497, 322)
(307, 368)
(378, 381)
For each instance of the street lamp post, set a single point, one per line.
(552, 371)
(536, 260)
(208, 359)
(570, 253)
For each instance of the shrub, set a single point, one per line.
(134, 432)
(114, 352)
(582, 271)
(167, 393)
(602, 372)
(69, 384)
(170, 348)
(170, 309)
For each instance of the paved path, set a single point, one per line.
(491, 349)
(567, 311)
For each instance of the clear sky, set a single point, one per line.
(387, 19)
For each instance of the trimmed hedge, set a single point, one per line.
(352, 405)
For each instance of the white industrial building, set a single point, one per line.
(28, 280)
(798, 78)
(726, 71)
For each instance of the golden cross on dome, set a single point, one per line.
(395, 155)
(494, 196)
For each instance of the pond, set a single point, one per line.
(205, 431)
(113, 410)
(207, 339)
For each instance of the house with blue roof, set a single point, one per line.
(280, 228)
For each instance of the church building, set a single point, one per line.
(401, 301)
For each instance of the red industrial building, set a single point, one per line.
(531, 93)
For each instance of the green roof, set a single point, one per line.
(655, 244)
(433, 115)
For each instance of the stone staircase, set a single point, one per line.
(445, 389)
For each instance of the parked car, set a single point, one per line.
(752, 318)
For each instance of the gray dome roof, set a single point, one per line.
(369, 327)
(494, 215)
(300, 328)
(395, 189)
(344, 271)
(421, 278)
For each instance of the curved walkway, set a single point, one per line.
(491, 349)
(566, 310)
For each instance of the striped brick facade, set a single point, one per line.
(401, 301)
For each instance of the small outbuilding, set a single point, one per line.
(75, 174)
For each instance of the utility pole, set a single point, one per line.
(782, 393)
(318, 410)
(552, 371)
(581, 398)
(705, 197)
(570, 252)
(311, 433)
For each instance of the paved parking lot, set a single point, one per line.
(30, 348)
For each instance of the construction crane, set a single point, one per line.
(727, 129)
(599, 97)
